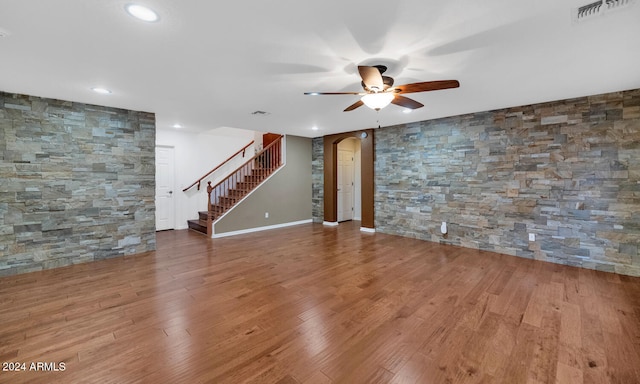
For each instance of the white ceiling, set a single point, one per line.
(209, 64)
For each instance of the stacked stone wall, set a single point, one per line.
(567, 172)
(317, 179)
(77, 183)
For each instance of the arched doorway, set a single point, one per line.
(331, 177)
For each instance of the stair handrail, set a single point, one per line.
(243, 149)
(265, 149)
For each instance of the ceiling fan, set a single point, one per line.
(380, 92)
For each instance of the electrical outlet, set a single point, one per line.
(532, 237)
(266, 215)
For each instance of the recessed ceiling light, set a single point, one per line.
(177, 126)
(102, 91)
(141, 12)
(314, 128)
(407, 110)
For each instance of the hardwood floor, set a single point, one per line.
(314, 304)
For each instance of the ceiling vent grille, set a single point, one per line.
(598, 8)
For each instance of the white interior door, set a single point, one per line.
(345, 184)
(165, 207)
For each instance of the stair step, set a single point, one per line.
(202, 215)
(261, 171)
(218, 208)
(198, 225)
(238, 192)
(246, 185)
(254, 178)
(228, 201)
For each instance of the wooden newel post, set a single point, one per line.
(209, 221)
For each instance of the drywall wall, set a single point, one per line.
(286, 195)
(196, 154)
(77, 183)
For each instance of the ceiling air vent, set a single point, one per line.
(598, 8)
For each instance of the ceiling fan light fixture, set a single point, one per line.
(141, 12)
(377, 100)
(102, 91)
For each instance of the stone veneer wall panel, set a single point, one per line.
(317, 179)
(567, 171)
(77, 183)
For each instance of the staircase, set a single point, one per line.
(239, 183)
(230, 198)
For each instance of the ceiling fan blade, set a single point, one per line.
(427, 86)
(371, 77)
(406, 102)
(333, 93)
(353, 106)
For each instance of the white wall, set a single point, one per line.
(195, 155)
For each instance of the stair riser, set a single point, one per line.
(258, 172)
(254, 178)
(237, 192)
(226, 201)
(203, 215)
(245, 185)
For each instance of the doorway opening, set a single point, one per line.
(349, 186)
(165, 174)
(362, 191)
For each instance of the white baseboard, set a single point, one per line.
(258, 229)
(368, 230)
(330, 223)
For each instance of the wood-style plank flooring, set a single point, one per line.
(314, 304)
